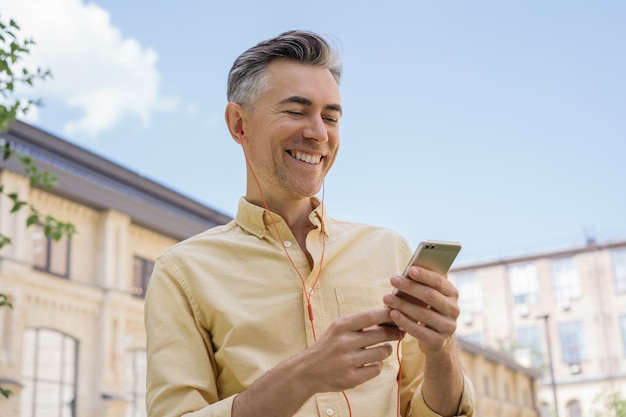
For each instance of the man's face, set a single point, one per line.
(292, 134)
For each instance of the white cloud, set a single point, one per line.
(97, 71)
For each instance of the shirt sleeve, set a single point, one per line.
(181, 369)
(466, 407)
(412, 399)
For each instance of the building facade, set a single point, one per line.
(73, 345)
(562, 312)
(74, 342)
(503, 387)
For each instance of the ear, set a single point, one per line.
(234, 121)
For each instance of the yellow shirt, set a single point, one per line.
(225, 306)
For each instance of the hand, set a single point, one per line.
(427, 310)
(351, 351)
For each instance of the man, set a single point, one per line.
(277, 313)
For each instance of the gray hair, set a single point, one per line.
(246, 80)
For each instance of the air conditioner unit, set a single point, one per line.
(468, 319)
(574, 368)
(565, 304)
(523, 356)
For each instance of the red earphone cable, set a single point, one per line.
(307, 294)
(399, 374)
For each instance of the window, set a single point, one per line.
(486, 387)
(619, 269)
(523, 280)
(530, 338)
(470, 295)
(51, 255)
(545, 410)
(565, 280)
(622, 321)
(49, 374)
(136, 383)
(572, 342)
(142, 270)
(573, 409)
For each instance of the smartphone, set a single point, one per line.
(435, 255)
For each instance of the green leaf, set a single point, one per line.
(6, 393)
(17, 204)
(4, 240)
(32, 219)
(4, 301)
(6, 151)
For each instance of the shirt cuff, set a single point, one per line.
(466, 406)
(222, 408)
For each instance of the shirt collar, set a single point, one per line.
(256, 220)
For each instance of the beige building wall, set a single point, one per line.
(599, 308)
(94, 305)
(503, 388)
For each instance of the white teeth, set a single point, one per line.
(309, 159)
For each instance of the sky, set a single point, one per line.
(498, 124)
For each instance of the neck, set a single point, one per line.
(294, 212)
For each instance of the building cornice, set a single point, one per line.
(553, 253)
(101, 184)
(496, 357)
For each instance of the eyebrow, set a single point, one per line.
(305, 101)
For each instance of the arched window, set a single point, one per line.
(545, 410)
(49, 374)
(136, 380)
(573, 409)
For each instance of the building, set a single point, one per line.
(503, 387)
(560, 311)
(74, 343)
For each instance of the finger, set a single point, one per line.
(434, 280)
(357, 376)
(421, 294)
(372, 354)
(429, 337)
(368, 318)
(441, 317)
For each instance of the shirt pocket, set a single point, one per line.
(356, 299)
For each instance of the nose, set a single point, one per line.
(316, 129)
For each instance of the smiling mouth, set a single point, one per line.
(309, 159)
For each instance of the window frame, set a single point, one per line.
(30, 407)
(136, 384)
(622, 321)
(565, 280)
(140, 283)
(470, 292)
(618, 259)
(523, 282)
(567, 349)
(531, 337)
(574, 409)
(49, 250)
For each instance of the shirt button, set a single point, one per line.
(330, 412)
(287, 243)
